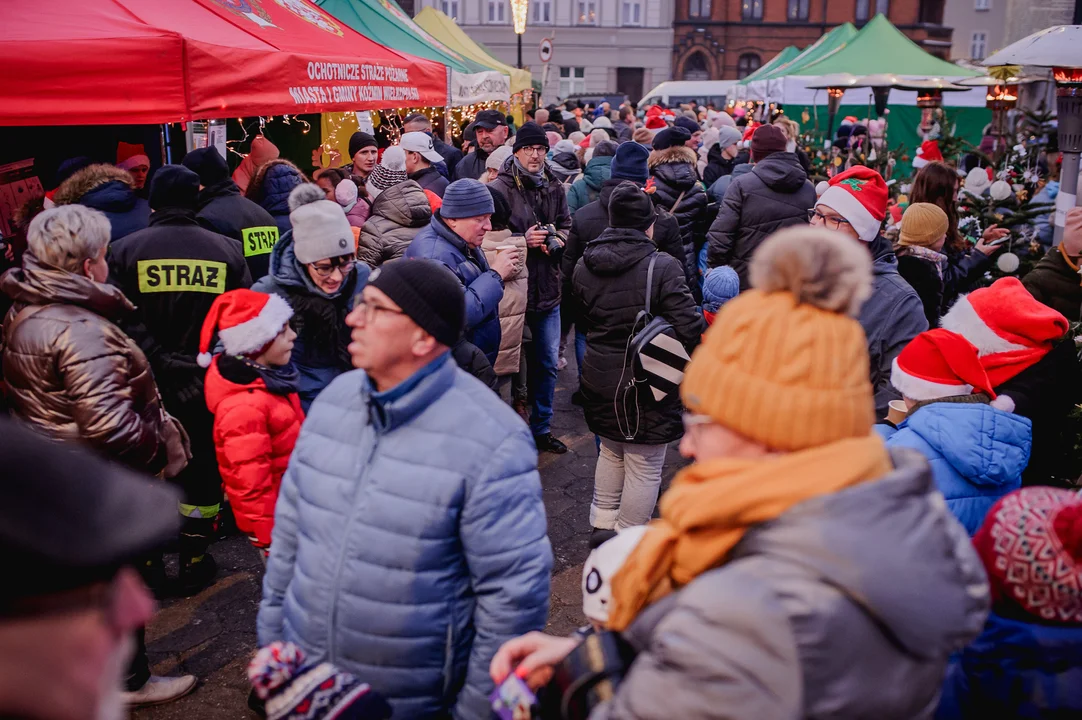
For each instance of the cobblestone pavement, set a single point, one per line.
(212, 635)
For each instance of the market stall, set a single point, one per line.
(449, 33)
(771, 86)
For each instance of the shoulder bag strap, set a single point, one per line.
(650, 281)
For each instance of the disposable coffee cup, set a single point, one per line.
(896, 412)
(501, 248)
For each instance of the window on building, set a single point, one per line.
(695, 67)
(882, 7)
(978, 45)
(982, 4)
(747, 64)
(587, 12)
(542, 12)
(751, 10)
(631, 12)
(449, 8)
(572, 81)
(931, 11)
(699, 8)
(863, 10)
(798, 10)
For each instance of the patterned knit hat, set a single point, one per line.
(1031, 546)
(860, 196)
(295, 691)
(246, 321)
(390, 171)
(786, 363)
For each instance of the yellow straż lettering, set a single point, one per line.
(181, 275)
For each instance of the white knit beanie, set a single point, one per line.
(320, 227)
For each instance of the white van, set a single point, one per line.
(701, 92)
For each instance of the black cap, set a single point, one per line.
(174, 186)
(631, 207)
(671, 137)
(208, 164)
(69, 518)
(490, 119)
(428, 293)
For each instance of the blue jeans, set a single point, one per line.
(580, 350)
(541, 366)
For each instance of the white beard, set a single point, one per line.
(112, 705)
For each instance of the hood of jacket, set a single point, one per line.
(210, 193)
(884, 261)
(1028, 648)
(859, 539)
(102, 187)
(404, 204)
(606, 192)
(781, 172)
(278, 182)
(617, 250)
(38, 284)
(287, 270)
(675, 166)
(597, 171)
(987, 446)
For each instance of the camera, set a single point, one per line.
(552, 242)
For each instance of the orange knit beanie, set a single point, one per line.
(785, 364)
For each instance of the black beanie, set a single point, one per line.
(671, 137)
(174, 186)
(428, 293)
(529, 135)
(359, 141)
(631, 207)
(208, 164)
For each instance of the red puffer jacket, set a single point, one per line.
(254, 434)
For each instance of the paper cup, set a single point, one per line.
(896, 411)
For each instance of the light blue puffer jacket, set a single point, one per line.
(977, 453)
(410, 539)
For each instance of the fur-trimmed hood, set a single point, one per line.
(89, 178)
(673, 155)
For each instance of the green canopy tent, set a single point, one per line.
(774, 63)
(768, 86)
(470, 81)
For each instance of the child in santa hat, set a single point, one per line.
(251, 389)
(1028, 661)
(976, 446)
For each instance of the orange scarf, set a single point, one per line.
(712, 504)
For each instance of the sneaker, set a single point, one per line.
(598, 536)
(561, 363)
(548, 443)
(577, 398)
(160, 690)
(197, 576)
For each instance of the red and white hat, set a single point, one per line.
(938, 364)
(246, 322)
(129, 155)
(860, 196)
(927, 152)
(1009, 328)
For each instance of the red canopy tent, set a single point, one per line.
(90, 62)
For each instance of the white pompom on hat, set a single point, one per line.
(246, 321)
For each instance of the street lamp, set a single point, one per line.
(519, 10)
(1059, 48)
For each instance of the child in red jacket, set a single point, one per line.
(251, 389)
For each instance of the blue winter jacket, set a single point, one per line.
(483, 286)
(278, 182)
(127, 212)
(409, 539)
(320, 351)
(977, 453)
(1015, 669)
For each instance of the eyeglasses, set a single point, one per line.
(834, 222)
(369, 310)
(343, 263)
(536, 150)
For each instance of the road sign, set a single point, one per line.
(545, 50)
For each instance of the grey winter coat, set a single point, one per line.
(846, 606)
(891, 317)
(774, 195)
(398, 214)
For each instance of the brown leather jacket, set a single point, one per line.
(74, 375)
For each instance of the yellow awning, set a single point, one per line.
(449, 33)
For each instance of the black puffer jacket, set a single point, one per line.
(674, 173)
(718, 166)
(610, 287)
(774, 195)
(533, 204)
(224, 210)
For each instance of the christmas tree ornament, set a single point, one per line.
(1000, 190)
(1008, 262)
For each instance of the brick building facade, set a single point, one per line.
(728, 39)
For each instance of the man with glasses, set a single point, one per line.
(539, 211)
(855, 204)
(72, 528)
(410, 535)
(490, 129)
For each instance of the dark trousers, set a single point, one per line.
(200, 481)
(139, 669)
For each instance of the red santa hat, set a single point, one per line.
(655, 118)
(1009, 328)
(1031, 548)
(246, 321)
(130, 155)
(749, 131)
(928, 152)
(860, 196)
(938, 364)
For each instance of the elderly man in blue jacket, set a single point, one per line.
(454, 238)
(410, 536)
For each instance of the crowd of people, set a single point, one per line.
(879, 516)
